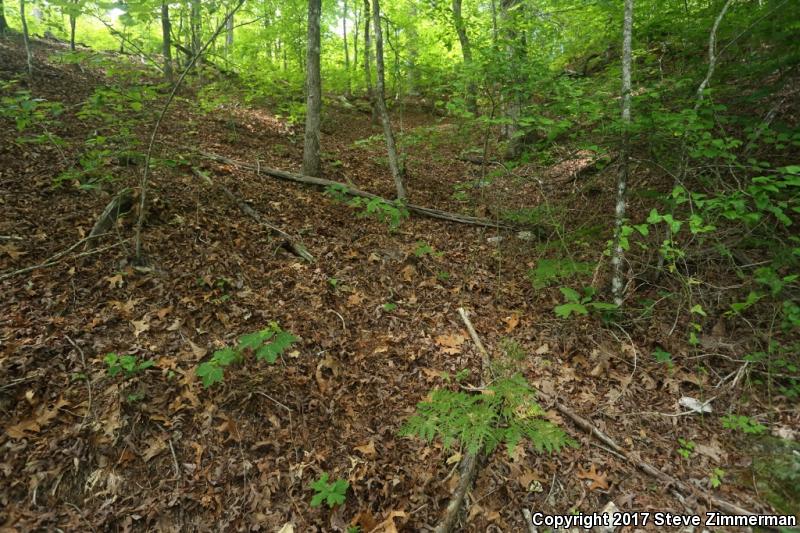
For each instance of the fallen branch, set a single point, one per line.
(288, 242)
(311, 180)
(468, 469)
(52, 260)
(646, 467)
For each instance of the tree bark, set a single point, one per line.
(26, 38)
(73, 20)
(712, 54)
(617, 282)
(346, 51)
(229, 35)
(368, 61)
(196, 26)
(380, 102)
(466, 51)
(3, 23)
(166, 40)
(513, 105)
(311, 159)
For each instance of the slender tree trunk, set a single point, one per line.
(3, 23)
(712, 54)
(356, 24)
(196, 27)
(513, 104)
(166, 40)
(617, 282)
(466, 51)
(413, 40)
(346, 50)
(229, 35)
(25, 37)
(368, 61)
(73, 20)
(311, 163)
(380, 102)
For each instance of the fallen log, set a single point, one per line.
(288, 242)
(352, 191)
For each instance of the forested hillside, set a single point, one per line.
(410, 265)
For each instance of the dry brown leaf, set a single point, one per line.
(155, 446)
(388, 525)
(355, 299)
(408, 272)
(288, 527)
(599, 480)
(367, 449)
(450, 343)
(511, 322)
(543, 349)
(114, 281)
(140, 326)
(198, 351)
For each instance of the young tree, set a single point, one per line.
(166, 40)
(513, 103)
(346, 50)
(368, 61)
(25, 37)
(196, 25)
(311, 163)
(617, 283)
(380, 102)
(466, 51)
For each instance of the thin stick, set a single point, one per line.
(51, 260)
(468, 469)
(88, 379)
(146, 171)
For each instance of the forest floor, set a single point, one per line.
(85, 451)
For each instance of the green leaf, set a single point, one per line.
(571, 295)
(697, 309)
(565, 310)
(271, 351)
(255, 339)
(210, 373)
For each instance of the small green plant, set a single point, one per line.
(266, 344)
(332, 494)
(504, 414)
(743, 423)
(423, 248)
(686, 448)
(715, 478)
(443, 275)
(389, 307)
(125, 364)
(581, 304)
(333, 282)
(391, 213)
(548, 271)
(662, 356)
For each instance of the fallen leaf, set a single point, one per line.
(598, 479)
(198, 351)
(367, 449)
(388, 525)
(511, 322)
(114, 281)
(155, 446)
(288, 527)
(140, 326)
(450, 343)
(543, 349)
(355, 299)
(408, 272)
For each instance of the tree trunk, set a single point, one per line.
(356, 22)
(413, 53)
(466, 51)
(73, 20)
(229, 35)
(513, 105)
(3, 23)
(346, 51)
(25, 37)
(166, 40)
(196, 27)
(368, 61)
(380, 102)
(311, 164)
(617, 284)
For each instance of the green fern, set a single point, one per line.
(504, 414)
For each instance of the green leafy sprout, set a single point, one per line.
(332, 494)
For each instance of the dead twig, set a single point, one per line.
(52, 260)
(88, 378)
